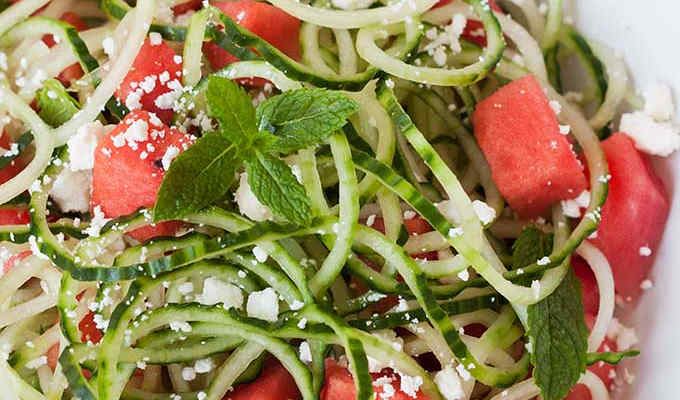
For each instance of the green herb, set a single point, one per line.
(285, 123)
(610, 357)
(55, 104)
(304, 117)
(531, 245)
(559, 339)
(272, 181)
(199, 176)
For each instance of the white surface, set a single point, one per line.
(646, 33)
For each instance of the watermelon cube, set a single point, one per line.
(633, 217)
(531, 162)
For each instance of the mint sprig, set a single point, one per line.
(255, 138)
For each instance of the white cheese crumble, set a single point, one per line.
(260, 254)
(37, 363)
(71, 190)
(650, 136)
(97, 223)
(155, 38)
(188, 374)
(180, 326)
(216, 291)
(370, 220)
(556, 106)
(263, 305)
(109, 46)
(485, 213)
(449, 384)
(536, 289)
(409, 214)
(203, 366)
(84, 143)
(464, 373)
(248, 204)
(645, 251)
(305, 353)
(410, 384)
(646, 284)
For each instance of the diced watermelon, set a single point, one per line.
(11, 262)
(14, 167)
(184, 8)
(532, 164)
(591, 294)
(339, 384)
(88, 329)
(633, 217)
(125, 179)
(53, 356)
(13, 215)
(417, 225)
(274, 383)
(275, 26)
(156, 71)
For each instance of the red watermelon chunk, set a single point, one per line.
(591, 293)
(15, 166)
(13, 215)
(339, 385)
(532, 164)
(154, 81)
(275, 26)
(128, 173)
(633, 217)
(274, 383)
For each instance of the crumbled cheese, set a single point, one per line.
(305, 353)
(485, 213)
(109, 46)
(71, 190)
(170, 153)
(650, 136)
(409, 214)
(84, 143)
(155, 38)
(248, 204)
(97, 223)
(201, 395)
(646, 284)
(565, 129)
(658, 102)
(203, 366)
(297, 305)
(410, 384)
(453, 232)
(263, 305)
(645, 251)
(188, 374)
(302, 324)
(180, 326)
(464, 275)
(370, 220)
(449, 384)
(543, 261)
(216, 291)
(556, 106)
(260, 254)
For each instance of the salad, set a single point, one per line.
(336, 200)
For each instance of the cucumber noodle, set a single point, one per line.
(408, 150)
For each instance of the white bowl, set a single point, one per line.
(646, 34)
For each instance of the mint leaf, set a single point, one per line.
(231, 106)
(531, 245)
(559, 339)
(274, 184)
(304, 117)
(56, 105)
(610, 357)
(198, 177)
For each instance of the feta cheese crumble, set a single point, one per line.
(485, 213)
(216, 291)
(449, 384)
(248, 204)
(263, 305)
(650, 136)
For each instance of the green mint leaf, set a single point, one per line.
(198, 177)
(610, 357)
(559, 339)
(531, 245)
(304, 117)
(231, 106)
(56, 105)
(274, 184)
